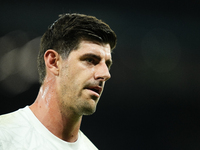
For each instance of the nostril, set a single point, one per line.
(102, 73)
(101, 83)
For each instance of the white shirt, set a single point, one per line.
(21, 130)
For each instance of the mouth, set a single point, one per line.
(96, 89)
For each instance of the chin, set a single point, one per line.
(89, 111)
(89, 106)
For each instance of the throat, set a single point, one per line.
(70, 130)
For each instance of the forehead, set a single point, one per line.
(102, 50)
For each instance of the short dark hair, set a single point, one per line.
(66, 33)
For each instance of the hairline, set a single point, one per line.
(65, 54)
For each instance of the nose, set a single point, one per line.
(102, 72)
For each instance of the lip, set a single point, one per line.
(95, 89)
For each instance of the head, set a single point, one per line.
(82, 45)
(66, 33)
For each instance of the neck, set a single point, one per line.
(47, 109)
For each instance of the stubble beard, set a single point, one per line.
(79, 106)
(87, 106)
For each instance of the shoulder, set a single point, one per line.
(13, 117)
(86, 142)
(15, 130)
(11, 124)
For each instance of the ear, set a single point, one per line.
(52, 58)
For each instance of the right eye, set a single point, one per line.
(90, 60)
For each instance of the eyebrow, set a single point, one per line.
(108, 62)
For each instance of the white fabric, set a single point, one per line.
(21, 130)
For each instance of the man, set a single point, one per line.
(73, 64)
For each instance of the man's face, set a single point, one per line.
(82, 77)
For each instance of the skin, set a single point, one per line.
(72, 88)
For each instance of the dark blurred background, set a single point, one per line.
(152, 100)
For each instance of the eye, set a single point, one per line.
(90, 60)
(109, 64)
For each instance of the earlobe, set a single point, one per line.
(51, 58)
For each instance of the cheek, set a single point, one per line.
(74, 78)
